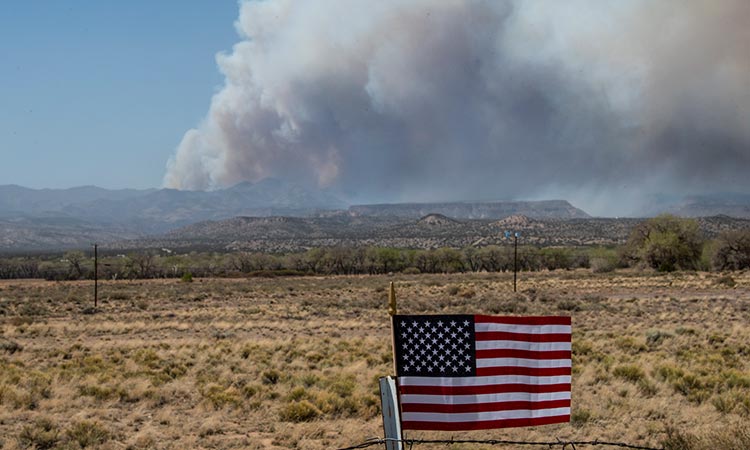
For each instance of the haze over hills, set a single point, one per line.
(291, 234)
(46, 219)
(559, 209)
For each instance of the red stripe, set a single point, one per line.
(529, 371)
(528, 320)
(523, 337)
(488, 389)
(524, 354)
(484, 407)
(483, 425)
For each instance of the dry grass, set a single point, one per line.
(294, 362)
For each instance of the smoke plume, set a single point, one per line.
(601, 103)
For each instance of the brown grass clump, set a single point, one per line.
(293, 362)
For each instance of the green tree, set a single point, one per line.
(665, 243)
(75, 261)
(732, 251)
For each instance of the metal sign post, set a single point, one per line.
(391, 414)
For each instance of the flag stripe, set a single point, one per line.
(523, 337)
(527, 354)
(488, 389)
(523, 329)
(484, 425)
(528, 371)
(485, 407)
(530, 346)
(485, 398)
(522, 362)
(524, 320)
(483, 381)
(485, 415)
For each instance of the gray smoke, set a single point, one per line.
(598, 102)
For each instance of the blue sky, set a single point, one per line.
(101, 92)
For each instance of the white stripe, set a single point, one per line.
(524, 329)
(522, 362)
(482, 381)
(531, 346)
(483, 398)
(480, 416)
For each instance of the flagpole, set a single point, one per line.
(389, 389)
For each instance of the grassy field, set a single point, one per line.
(294, 362)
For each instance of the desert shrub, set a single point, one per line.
(631, 373)
(299, 411)
(580, 416)
(654, 338)
(411, 271)
(732, 251)
(726, 281)
(9, 346)
(87, 434)
(42, 434)
(270, 377)
(665, 243)
(187, 277)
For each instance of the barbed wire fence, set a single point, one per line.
(558, 443)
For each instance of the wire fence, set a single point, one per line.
(558, 443)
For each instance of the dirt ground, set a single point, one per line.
(293, 362)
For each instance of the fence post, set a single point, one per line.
(391, 415)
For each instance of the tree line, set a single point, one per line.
(664, 243)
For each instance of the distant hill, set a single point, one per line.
(288, 234)
(733, 205)
(719, 204)
(157, 210)
(547, 209)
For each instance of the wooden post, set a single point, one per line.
(391, 414)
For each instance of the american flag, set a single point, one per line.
(473, 372)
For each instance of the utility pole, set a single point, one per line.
(96, 275)
(515, 259)
(515, 234)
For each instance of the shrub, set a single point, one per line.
(187, 277)
(732, 251)
(88, 434)
(630, 373)
(665, 243)
(299, 411)
(580, 417)
(42, 434)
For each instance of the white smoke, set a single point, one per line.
(396, 100)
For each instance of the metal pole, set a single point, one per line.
(515, 260)
(391, 413)
(96, 276)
